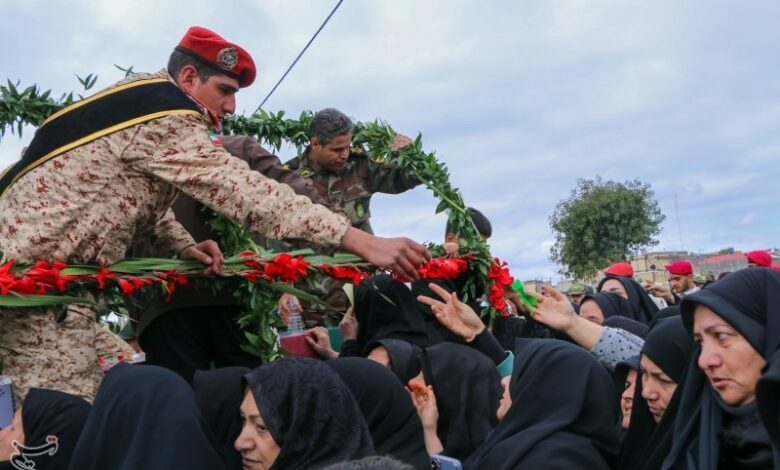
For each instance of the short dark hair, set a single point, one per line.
(482, 223)
(374, 462)
(329, 123)
(178, 60)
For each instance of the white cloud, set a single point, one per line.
(519, 98)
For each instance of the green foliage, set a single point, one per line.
(377, 138)
(603, 222)
(29, 106)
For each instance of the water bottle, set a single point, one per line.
(294, 319)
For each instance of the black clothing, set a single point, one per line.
(561, 415)
(145, 417)
(768, 398)
(310, 413)
(637, 297)
(387, 408)
(219, 393)
(646, 443)
(613, 305)
(746, 299)
(380, 319)
(52, 422)
(632, 326)
(403, 358)
(467, 389)
(196, 338)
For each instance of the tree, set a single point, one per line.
(601, 223)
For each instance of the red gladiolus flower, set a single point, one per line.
(349, 273)
(443, 268)
(126, 286)
(48, 275)
(102, 276)
(286, 268)
(171, 280)
(499, 274)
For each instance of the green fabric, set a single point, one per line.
(527, 299)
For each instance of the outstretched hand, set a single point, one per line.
(453, 314)
(401, 255)
(554, 310)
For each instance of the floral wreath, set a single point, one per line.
(256, 276)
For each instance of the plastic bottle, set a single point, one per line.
(294, 319)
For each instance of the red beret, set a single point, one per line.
(620, 269)
(680, 268)
(761, 258)
(211, 49)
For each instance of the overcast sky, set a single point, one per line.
(520, 99)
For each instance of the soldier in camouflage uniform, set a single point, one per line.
(346, 178)
(86, 201)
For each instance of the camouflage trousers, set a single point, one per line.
(56, 348)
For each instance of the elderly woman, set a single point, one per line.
(298, 414)
(735, 324)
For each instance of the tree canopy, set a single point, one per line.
(602, 222)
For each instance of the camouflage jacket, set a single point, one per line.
(350, 191)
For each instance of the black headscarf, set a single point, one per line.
(389, 412)
(637, 297)
(632, 326)
(559, 416)
(704, 431)
(667, 312)
(219, 393)
(403, 358)
(646, 444)
(310, 413)
(612, 305)
(436, 332)
(622, 369)
(467, 389)
(145, 417)
(48, 413)
(379, 319)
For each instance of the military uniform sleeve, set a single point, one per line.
(259, 159)
(178, 150)
(169, 236)
(388, 177)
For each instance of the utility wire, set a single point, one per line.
(299, 56)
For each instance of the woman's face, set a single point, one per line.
(727, 358)
(591, 311)
(615, 287)
(506, 399)
(257, 446)
(657, 387)
(627, 399)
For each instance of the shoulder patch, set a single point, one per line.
(305, 172)
(214, 138)
(357, 150)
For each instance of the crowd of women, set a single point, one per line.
(422, 382)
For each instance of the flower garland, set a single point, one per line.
(45, 283)
(484, 276)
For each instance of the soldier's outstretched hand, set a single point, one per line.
(400, 142)
(401, 255)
